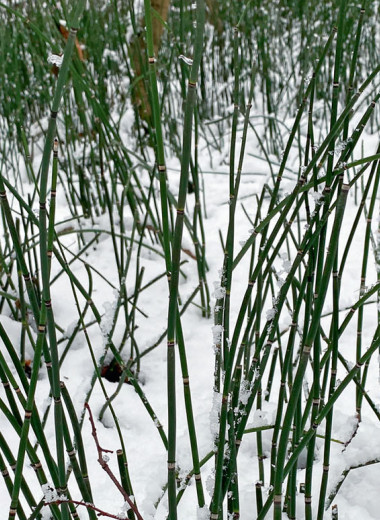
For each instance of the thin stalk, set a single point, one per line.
(176, 257)
(305, 354)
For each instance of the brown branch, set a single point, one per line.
(65, 33)
(85, 504)
(106, 468)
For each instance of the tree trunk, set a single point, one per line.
(160, 11)
(213, 15)
(138, 58)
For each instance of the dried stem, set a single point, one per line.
(85, 504)
(106, 468)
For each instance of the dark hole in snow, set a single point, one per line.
(113, 372)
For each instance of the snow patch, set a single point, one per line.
(219, 291)
(203, 513)
(55, 59)
(217, 331)
(214, 414)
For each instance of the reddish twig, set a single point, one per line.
(85, 504)
(106, 468)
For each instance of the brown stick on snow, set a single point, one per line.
(105, 466)
(84, 504)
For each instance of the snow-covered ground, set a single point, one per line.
(147, 459)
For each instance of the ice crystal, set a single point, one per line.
(316, 196)
(214, 414)
(210, 483)
(50, 494)
(186, 60)
(124, 510)
(219, 291)
(55, 59)
(245, 391)
(217, 331)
